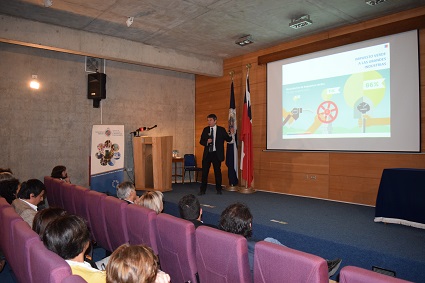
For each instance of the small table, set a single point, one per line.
(178, 161)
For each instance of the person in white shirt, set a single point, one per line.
(69, 237)
(30, 195)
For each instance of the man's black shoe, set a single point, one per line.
(201, 193)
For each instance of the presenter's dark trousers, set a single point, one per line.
(206, 164)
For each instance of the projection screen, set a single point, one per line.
(358, 97)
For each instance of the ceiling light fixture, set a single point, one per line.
(300, 22)
(129, 21)
(244, 40)
(47, 3)
(34, 84)
(374, 2)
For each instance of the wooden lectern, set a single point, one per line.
(153, 163)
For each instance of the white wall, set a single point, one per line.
(51, 126)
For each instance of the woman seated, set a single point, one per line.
(134, 264)
(152, 200)
(59, 172)
(69, 237)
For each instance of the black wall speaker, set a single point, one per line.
(96, 86)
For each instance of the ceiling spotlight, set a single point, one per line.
(301, 22)
(34, 84)
(129, 21)
(47, 3)
(374, 2)
(244, 40)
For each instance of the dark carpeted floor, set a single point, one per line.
(325, 228)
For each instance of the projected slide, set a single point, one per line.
(338, 96)
(362, 96)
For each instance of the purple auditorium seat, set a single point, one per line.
(3, 203)
(66, 190)
(79, 201)
(141, 225)
(221, 257)
(95, 210)
(115, 221)
(8, 219)
(55, 198)
(176, 247)
(46, 266)
(278, 264)
(23, 239)
(48, 183)
(352, 274)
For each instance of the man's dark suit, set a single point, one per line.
(215, 157)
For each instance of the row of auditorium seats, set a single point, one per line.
(29, 259)
(215, 255)
(189, 255)
(184, 253)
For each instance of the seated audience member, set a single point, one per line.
(47, 215)
(9, 189)
(237, 219)
(190, 209)
(152, 200)
(44, 217)
(126, 191)
(69, 237)
(5, 174)
(29, 196)
(134, 264)
(59, 172)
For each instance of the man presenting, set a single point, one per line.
(212, 139)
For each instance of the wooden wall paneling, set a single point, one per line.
(370, 165)
(350, 177)
(296, 162)
(354, 189)
(293, 183)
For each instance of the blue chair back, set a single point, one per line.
(189, 160)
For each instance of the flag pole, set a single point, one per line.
(246, 150)
(232, 147)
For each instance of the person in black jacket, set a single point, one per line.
(190, 209)
(212, 138)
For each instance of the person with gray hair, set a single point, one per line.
(126, 191)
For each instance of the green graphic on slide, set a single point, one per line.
(355, 88)
(355, 105)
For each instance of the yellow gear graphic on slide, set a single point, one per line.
(368, 84)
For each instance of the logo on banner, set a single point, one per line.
(108, 132)
(115, 183)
